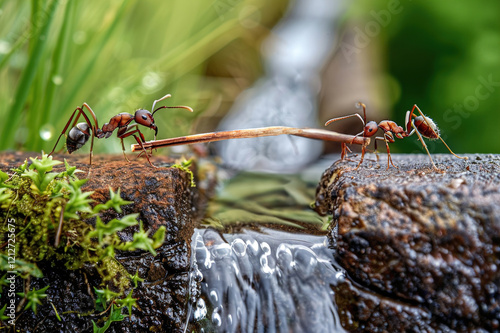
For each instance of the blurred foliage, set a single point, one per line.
(443, 56)
(121, 55)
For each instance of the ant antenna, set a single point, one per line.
(174, 107)
(168, 107)
(161, 99)
(362, 105)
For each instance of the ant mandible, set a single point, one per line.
(80, 133)
(422, 125)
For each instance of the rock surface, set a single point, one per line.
(421, 249)
(162, 196)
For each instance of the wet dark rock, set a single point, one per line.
(162, 196)
(421, 248)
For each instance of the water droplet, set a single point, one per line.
(57, 80)
(46, 132)
(216, 319)
(214, 295)
(198, 276)
(4, 47)
(151, 81)
(201, 309)
(340, 276)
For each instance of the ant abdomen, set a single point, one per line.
(427, 127)
(77, 137)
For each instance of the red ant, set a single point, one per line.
(422, 125)
(81, 132)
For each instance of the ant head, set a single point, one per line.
(370, 129)
(145, 118)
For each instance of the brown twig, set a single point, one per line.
(311, 133)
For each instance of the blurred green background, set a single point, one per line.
(121, 55)
(445, 57)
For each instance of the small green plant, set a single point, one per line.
(34, 298)
(116, 306)
(184, 166)
(47, 211)
(115, 314)
(3, 317)
(135, 279)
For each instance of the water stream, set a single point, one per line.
(263, 264)
(271, 274)
(264, 281)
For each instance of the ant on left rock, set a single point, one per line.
(422, 125)
(80, 133)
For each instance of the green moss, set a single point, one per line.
(114, 274)
(45, 213)
(184, 165)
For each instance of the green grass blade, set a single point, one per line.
(86, 70)
(23, 89)
(44, 111)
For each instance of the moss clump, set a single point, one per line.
(185, 165)
(45, 212)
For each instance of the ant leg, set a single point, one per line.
(363, 151)
(80, 112)
(437, 134)
(389, 158)
(94, 128)
(462, 157)
(376, 151)
(66, 127)
(409, 118)
(343, 152)
(425, 146)
(123, 150)
(139, 140)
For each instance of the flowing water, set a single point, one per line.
(264, 281)
(274, 274)
(263, 263)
